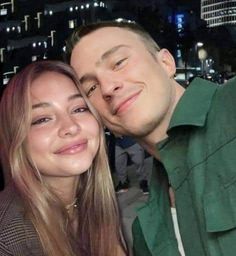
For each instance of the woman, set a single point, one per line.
(60, 200)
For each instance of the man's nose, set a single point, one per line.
(110, 86)
(69, 126)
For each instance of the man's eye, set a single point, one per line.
(91, 89)
(40, 121)
(119, 63)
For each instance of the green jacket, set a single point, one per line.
(199, 156)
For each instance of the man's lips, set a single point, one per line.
(72, 148)
(124, 104)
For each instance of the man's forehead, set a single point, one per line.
(110, 33)
(99, 41)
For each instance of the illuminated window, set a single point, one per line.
(3, 12)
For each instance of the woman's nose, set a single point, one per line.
(69, 126)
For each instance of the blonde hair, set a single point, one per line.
(99, 229)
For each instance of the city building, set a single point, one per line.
(218, 13)
(37, 30)
(220, 16)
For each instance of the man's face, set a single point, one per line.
(130, 87)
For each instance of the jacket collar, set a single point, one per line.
(194, 105)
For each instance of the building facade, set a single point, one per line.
(218, 12)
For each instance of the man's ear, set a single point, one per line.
(167, 61)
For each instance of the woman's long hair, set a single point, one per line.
(99, 229)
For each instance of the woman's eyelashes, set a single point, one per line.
(40, 120)
(80, 109)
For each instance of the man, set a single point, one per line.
(130, 81)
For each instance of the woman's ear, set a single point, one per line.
(167, 61)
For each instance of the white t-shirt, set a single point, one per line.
(176, 227)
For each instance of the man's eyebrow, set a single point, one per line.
(105, 55)
(87, 77)
(109, 52)
(47, 104)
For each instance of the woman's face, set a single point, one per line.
(64, 136)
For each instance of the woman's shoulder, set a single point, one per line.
(11, 208)
(17, 232)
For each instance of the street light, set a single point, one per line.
(199, 44)
(202, 55)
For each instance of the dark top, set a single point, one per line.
(125, 142)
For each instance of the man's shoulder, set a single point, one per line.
(230, 84)
(226, 96)
(232, 80)
(223, 93)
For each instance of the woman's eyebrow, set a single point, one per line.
(75, 96)
(47, 104)
(41, 105)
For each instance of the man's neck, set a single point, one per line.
(160, 133)
(150, 148)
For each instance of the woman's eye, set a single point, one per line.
(40, 121)
(91, 89)
(81, 109)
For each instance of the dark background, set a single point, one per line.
(37, 29)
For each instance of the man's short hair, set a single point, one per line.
(132, 26)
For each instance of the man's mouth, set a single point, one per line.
(125, 104)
